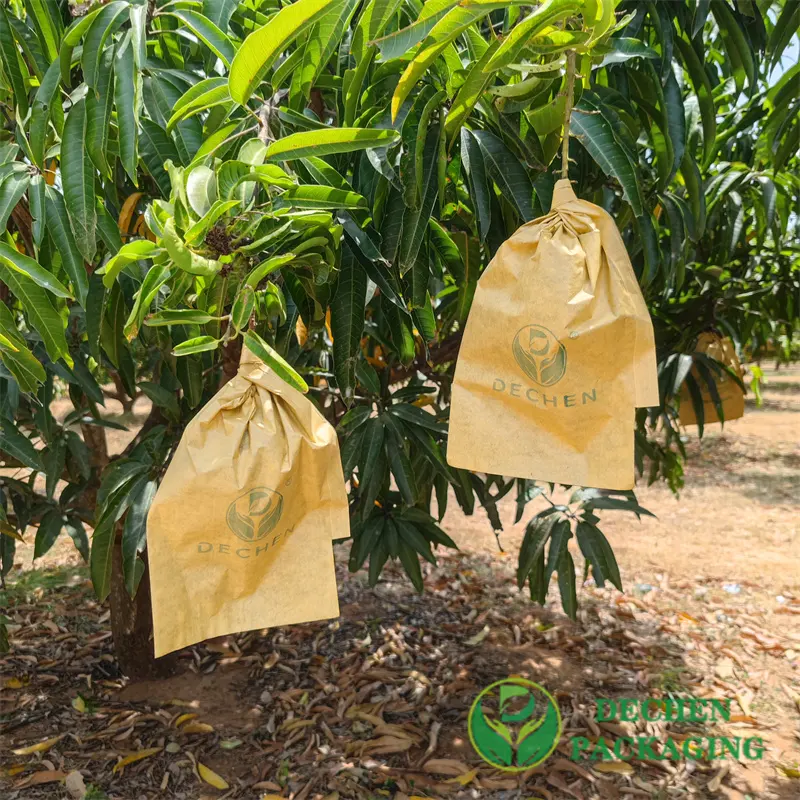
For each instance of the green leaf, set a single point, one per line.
(54, 458)
(693, 63)
(102, 26)
(597, 551)
(78, 181)
(128, 103)
(399, 461)
(595, 133)
(12, 64)
(537, 532)
(74, 528)
(476, 82)
(29, 270)
(219, 11)
(322, 197)
(134, 534)
(156, 148)
(43, 103)
(200, 97)
(18, 446)
(260, 49)
(155, 278)
(736, 45)
(207, 32)
(321, 44)
(410, 561)
(567, 586)
(98, 114)
(472, 160)
(696, 195)
(676, 120)
(347, 322)
(243, 306)
(523, 33)
(448, 28)
(329, 141)
(371, 24)
(179, 316)
(396, 44)
(36, 202)
(623, 49)
(415, 221)
(199, 344)
(267, 267)
(12, 188)
(560, 534)
(507, 172)
(47, 533)
(129, 253)
(255, 344)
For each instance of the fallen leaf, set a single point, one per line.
(465, 779)
(446, 766)
(210, 777)
(616, 767)
(134, 757)
(197, 727)
(79, 704)
(790, 772)
(38, 778)
(230, 744)
(385, 745)
(478, 637)
(714, 784)
(41, 747)
(184, 718)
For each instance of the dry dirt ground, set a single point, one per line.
(374, 704)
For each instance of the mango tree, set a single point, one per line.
(322, 182)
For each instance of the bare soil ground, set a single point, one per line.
(374, 704)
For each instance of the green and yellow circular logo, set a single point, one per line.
(539, 354)
(514, 724)
(252, 515)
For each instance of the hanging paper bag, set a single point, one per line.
(557, 353)
(239, 534)
(731, 394)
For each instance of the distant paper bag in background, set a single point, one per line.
(730, 393)
(557, 353)
(239, 535)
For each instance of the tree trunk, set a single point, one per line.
(132, 626)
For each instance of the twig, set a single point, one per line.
(570, 94)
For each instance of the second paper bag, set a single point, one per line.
(239, 534)
(557, 353)
(729, 392)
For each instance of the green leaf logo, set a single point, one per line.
(252, 515)
(514, 724)
(540, 355)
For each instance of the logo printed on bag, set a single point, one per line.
(514, 724)
(541, 356)
(252, 515)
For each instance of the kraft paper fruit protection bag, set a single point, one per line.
(240, 533)
(557, 353)
(730, 393)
